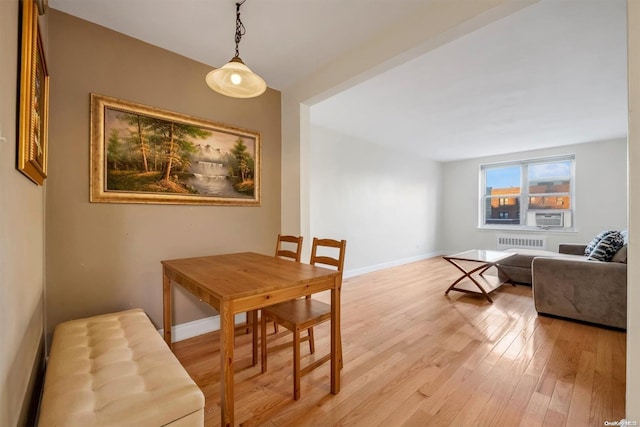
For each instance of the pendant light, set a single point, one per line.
(235, 79)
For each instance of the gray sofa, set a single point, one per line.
(566, 284)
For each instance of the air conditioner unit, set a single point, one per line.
(554, 219)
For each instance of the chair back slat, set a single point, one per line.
(288, 253)
(326, 261)
(283, 253)
(337, 262)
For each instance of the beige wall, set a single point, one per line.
(21, 245)
(106, 257)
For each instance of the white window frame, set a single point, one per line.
(524, 211)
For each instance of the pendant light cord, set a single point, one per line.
(239, 27)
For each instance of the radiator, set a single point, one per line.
(507, 241)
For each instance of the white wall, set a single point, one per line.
(600, 199)
(386, 204)
(432, 24)
(633, 295)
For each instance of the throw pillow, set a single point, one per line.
(591, 246)
(607, 247)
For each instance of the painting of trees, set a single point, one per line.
(241, 167)
(156, 156)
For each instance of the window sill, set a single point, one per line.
(521, 228)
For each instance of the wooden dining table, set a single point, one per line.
(245, 282)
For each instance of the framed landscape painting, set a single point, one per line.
(142, 154)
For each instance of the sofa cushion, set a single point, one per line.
(607, 247)
(621, 255)
(523, 257)
(518, 267)
(591, 246)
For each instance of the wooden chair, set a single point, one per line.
(304, 313)
(284, 249)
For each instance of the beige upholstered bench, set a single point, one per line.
(116, 370)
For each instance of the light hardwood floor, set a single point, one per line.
(414, 357)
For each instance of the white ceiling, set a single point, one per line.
(285, 40)
(551, 74)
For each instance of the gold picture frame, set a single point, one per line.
(142, 154)
(33, 125)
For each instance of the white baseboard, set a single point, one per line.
(210, 324)
(372, 268)
(198, 327)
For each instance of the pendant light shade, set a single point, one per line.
(235, 79)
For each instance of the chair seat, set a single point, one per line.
(300, 313)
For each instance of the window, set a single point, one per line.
(512, 193)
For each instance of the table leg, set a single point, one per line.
(481, 289)
(227, 329)
(465, 274)
(468, 274)
(166, 307)
(488, 266)
(254, 331)
(335, 338)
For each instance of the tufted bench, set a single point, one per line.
(116, 370)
